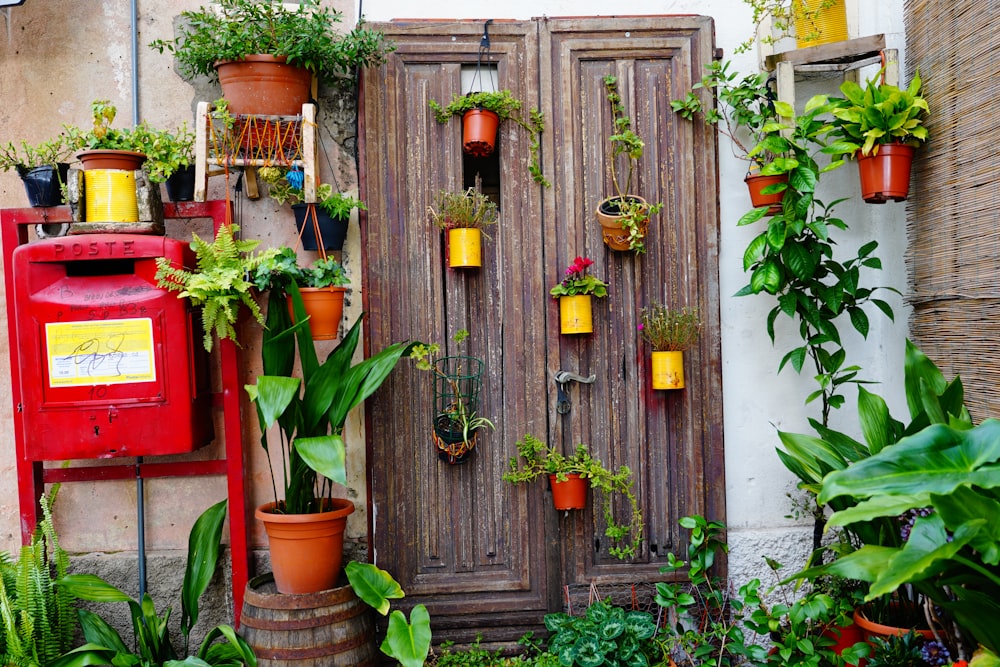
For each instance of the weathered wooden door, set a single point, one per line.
(479, 552)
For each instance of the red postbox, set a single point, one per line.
(110, 363)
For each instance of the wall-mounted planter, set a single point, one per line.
(325, 308)
(616, 237)
(886, 175)
(757, 182)
(465, 248)
(668, 370)
(824, 25)
(575, 314)
(479, 132)
(333, 230)
(570, 494)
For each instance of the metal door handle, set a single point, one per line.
(563, 378)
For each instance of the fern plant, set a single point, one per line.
(220, 282)
(37, 618)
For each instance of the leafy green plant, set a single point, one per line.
(578, 282)
(311, 410)
(168, 152)
(605, 635)
(408, 642)
(745, 110)
(152, 640)
(219, 283)
(305, 35)
(38, 619)
(506, 107)
(669, 329)
(878, 114)
(541, 460)
(633, 213)
(793, 258)
(469, 209)
(285, 187)
(280, 269)
(897, 650)
(169, 149)
(25, 157)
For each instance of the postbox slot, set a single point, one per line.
(100, 267)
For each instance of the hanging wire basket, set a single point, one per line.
(457, 383)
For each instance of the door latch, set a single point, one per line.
(563, 378)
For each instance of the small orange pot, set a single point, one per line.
(307, 550)
(870, 629)
(479, 132)
(465, 248)
(575, 315)
(668, 370)
(569, 495)
(886, 175)
(844, 636)
(758, 182)
(325, 307)
(616, 237)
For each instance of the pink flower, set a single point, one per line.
(640, 326)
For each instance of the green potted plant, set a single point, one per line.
(457, 385)
(575, 293)
(812, 22)
(310, 410)
(463, 215)
(242, 41)
(332, 209)
(219, 283)
(170, 159)
(321, 285)
(624, 216)
(881, 125)
(569, 474)
(42, 168)
(479, 136)
(670, 332)
(604, 635)
(745, 114)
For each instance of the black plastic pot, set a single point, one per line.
(180, 184)
(42, 184)
(449, 432)
(333, 230)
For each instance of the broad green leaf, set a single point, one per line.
(860, 321)
(410, 642)
(98, 632)
(755, 251)
(84, 656)
(918, 367)
(752, 216)
(877, 425)
(326, 454)
(273, 394)
(373, 585)
(91, 587)
(203, 556)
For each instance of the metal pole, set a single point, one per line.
(141, 509)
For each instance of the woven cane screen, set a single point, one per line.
(954, 224)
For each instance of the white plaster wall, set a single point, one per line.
(55, 59)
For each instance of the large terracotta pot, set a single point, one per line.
(614, 236)
(479, 132)
(570, 494)
(886, 174)
(325, 308)
(757, 182)
(264, 85)
(871, 629)
(307, 550)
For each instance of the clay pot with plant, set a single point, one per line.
(670, 331)
(246, 43)
(624, 216)
(504, 106)
(744, 114)
(581, 468)
(575, 292)
(42, 168)
(463, 215)
(310, 407)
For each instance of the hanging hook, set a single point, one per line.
(484, 47)
(484, 41)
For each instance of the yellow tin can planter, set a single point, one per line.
(110, 196)
(575, 316)
(668, 370)
(465, 248)
(815, 24)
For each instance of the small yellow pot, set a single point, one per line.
(110, 196)
(575, 316)
(668, 370)
(827, 25)
(465, 248)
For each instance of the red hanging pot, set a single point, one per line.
(570, 494)
(886, 174)
(757, 182)
(479, 132)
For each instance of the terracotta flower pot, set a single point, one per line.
(479, 132)
(757, 182)
(325, 307)
(886, 174)
(109, 185)
(307, 550)
(465, 248)
(615, 237)
(264, 85)
(569, 495)
(871, 629)
(575, 314)
(844, 637)
(111, 159)
(668, 370)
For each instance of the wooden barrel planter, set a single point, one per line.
(332, 627)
